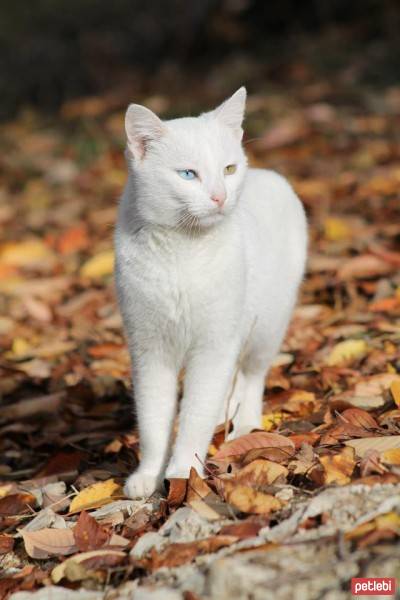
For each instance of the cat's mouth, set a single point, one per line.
(192, 223)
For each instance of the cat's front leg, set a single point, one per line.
(155, 389)
(207, 381)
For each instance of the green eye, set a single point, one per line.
(230, 170)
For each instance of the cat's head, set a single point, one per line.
(187, 172)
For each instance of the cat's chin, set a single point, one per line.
(210, 220)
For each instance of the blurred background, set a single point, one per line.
(324, 110)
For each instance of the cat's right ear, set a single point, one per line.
(142, 126)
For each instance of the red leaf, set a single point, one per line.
(88, 534)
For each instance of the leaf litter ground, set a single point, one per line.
(294, 510)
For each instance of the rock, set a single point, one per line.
(146, 542)
(53, 592)
(186, 525)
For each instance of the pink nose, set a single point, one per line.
(219, 199)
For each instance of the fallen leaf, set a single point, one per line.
(73, 239)
(98, 266)
(197, 488)
(181, 553)
(347, 351)
(176, 492)
(381, 444)
(95, 559)
(16, 504)
(88, 534)
(49, 542)
(249, 500)
(392, 456)
(395, 389)
(6, 543)
(339, 467)
(24, 254)
(260, 473)
(251, 441)
(96, 495)
(336, 229)
(363, 266)
(359, 418)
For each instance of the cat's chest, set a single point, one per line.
(185, 280)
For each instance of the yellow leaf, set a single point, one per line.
(96, 495)
(391, 457)
(23, 254)
(347, 351)
(339, 467)
(336, 229)
(100, 265)
(271, 420)
(20, 347)
(395, 389)
(249, 500)
(212, 450)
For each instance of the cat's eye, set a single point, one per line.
(187, 174)
(230, 170)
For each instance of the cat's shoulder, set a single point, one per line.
(267, 180)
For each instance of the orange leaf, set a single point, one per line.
(16, 504)
(197, 488)
(176, 492)
(339, 467)
(73, 240)
(249, 500)
(395, 389)
(259, 473)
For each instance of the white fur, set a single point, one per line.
(201, 287)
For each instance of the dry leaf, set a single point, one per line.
(88, 534)
(395, 389)
(248, 500)
(359, 418)
(98, 266)
(95, 559)
(176, 492)
(6, 543)
(49, 542)
(96, 495)
(178, 554)
(260, 473)
(347, 351)
(197, 488)
(391, 457)
(16, 504)
(339, 467)
(374, 443)
(252, 441)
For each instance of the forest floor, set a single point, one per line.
(294, 511)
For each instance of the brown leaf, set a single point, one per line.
(260, 473)
(61, 462)
(49, 542)
(362, 266)
(197, 488)
(359, 418)
(88, 534)
(176, 492)
(6, 543)
(374, 443)
(16, 504)
(178, 554)
(278, 455)
(252, 441)
(244, 529)
(95, 559)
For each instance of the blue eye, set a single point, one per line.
(187, 174)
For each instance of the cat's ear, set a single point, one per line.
(142, 126)
(231, 112)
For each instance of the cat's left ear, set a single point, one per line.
(142, 126)
(231, 112)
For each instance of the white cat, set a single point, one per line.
(209, 257)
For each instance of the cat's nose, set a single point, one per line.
(219, 199)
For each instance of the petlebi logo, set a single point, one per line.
(373, 586)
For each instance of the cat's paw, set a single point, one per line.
(141, 485)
